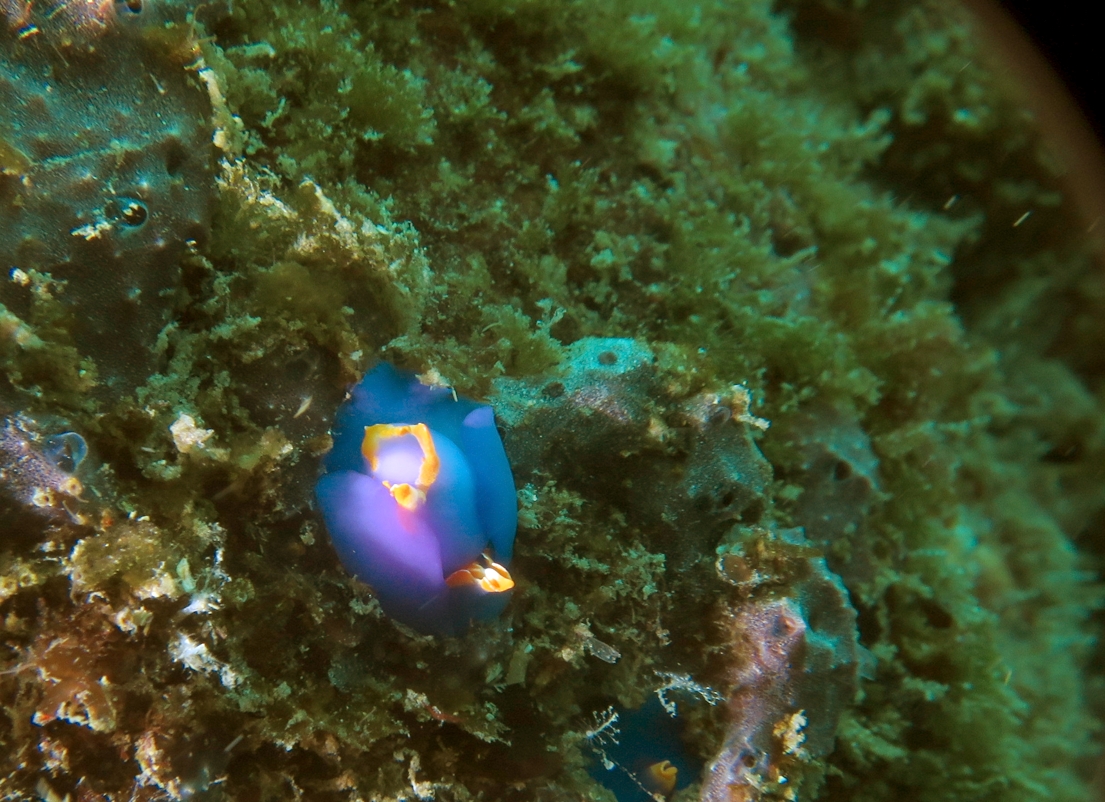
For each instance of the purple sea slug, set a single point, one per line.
(419, 501)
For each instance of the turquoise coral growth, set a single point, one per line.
(795, 213)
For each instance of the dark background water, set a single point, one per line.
(1068, 36)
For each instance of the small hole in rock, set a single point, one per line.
(174, 157)
(720, 415)
(554, 389)
(608, 358)
(130, 212)
(752, 513)
(135, 214)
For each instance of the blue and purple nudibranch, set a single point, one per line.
(419, 501)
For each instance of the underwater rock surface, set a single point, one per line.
(37, 476)
(684, 469)
(839, 477)
(795, 665)
(791, 325)
(106, 172)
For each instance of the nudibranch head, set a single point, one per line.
(419, 501)
(391, 457)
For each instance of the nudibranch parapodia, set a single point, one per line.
(419, 501)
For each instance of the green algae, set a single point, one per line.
(814, 201)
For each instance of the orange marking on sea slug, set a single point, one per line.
(375, 435)
(410, 497)
(492, 577)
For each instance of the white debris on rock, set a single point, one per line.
(196, 656)
(187, 435)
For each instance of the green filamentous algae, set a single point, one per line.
(793, 336)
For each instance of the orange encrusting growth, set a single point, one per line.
(662, 776)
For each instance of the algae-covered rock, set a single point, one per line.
(838, 474)
(105, 173)
(788, 320)
(603, 423)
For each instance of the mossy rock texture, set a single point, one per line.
(783, 307)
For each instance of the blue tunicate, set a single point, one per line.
(66, 451)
